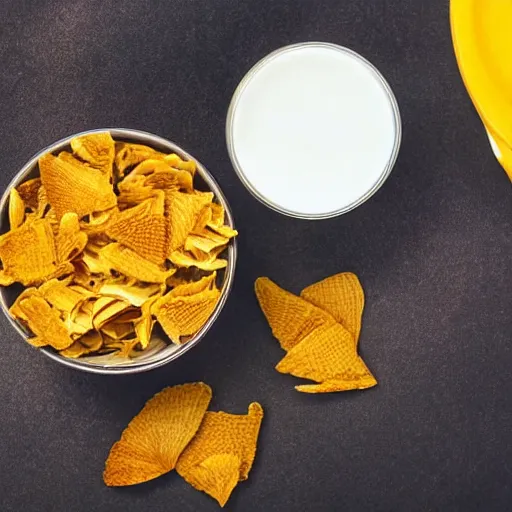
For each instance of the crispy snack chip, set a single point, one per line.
(328, 353)
(97, 149)
(151, 444)
(99, 236)
(183, 211)
(28, 255)
(185, 315)
(141, 230)
(290, 317)
(73, 188)
(342, 296)
(217, 476)
(221, 432)
(130, 264)
(44, 322)
(16, 209)
(319, 331)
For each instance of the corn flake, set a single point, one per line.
(151, 444)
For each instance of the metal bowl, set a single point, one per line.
(159, 352)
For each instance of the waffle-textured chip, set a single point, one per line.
(290, 317)
(183, 211)
(207, 240)
(170, 179)
(90, 342)
(342, 296)
(130, 264)
(141, 230)
(222, 433)
(194, 287)
(28, 255)
(73, 188)
(182, 316)
(16, 209)
(29, 193)
(151, 444)
(328, 353)
(136, 294)
(217, 476)
(44, 322)
(204, 261)
(97, 149)
(70, 241)
(129, 155)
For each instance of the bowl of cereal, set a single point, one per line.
(117, 251)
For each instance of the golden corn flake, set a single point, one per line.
(44, 322)
(217, 476)
(70, 241)
(204, 261)
(221, 433)
(129, 155)
(151, 444)
(342, 296)
(99, 235)
(142, 231)
(182, 316)
(28, 255)
(16, 209)
(28, 192)
(73, 188)
(328, 353)
(183, 211)
(97, 149)
(290, 317)
(130, 264)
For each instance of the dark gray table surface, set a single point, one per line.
(432, 249)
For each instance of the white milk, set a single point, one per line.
(313, 130)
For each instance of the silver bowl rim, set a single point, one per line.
(238, 167)
(141, 137)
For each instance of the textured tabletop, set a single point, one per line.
(432, 249)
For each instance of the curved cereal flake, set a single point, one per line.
(130, 264)
(128, 155)
(217, 476)
(194, 287)
(327, 353)
(170, 179)
(335, 385)
(151, 444)
(342, 296)
(185, 315)
(97, 149)
(87, 344)
(218, 215)
(44, 321)
(28, 192)
(28, 254)
(70, 241)
(61, 296)
(136, 295)
(16, 209)
(142, 231)
(205, 241)
(144, 327)
(208, 262)
(222, 433)
(73, 188)
(175, 161)
(290, 317)
(183, 211)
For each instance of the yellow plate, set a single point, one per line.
(482, 37)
